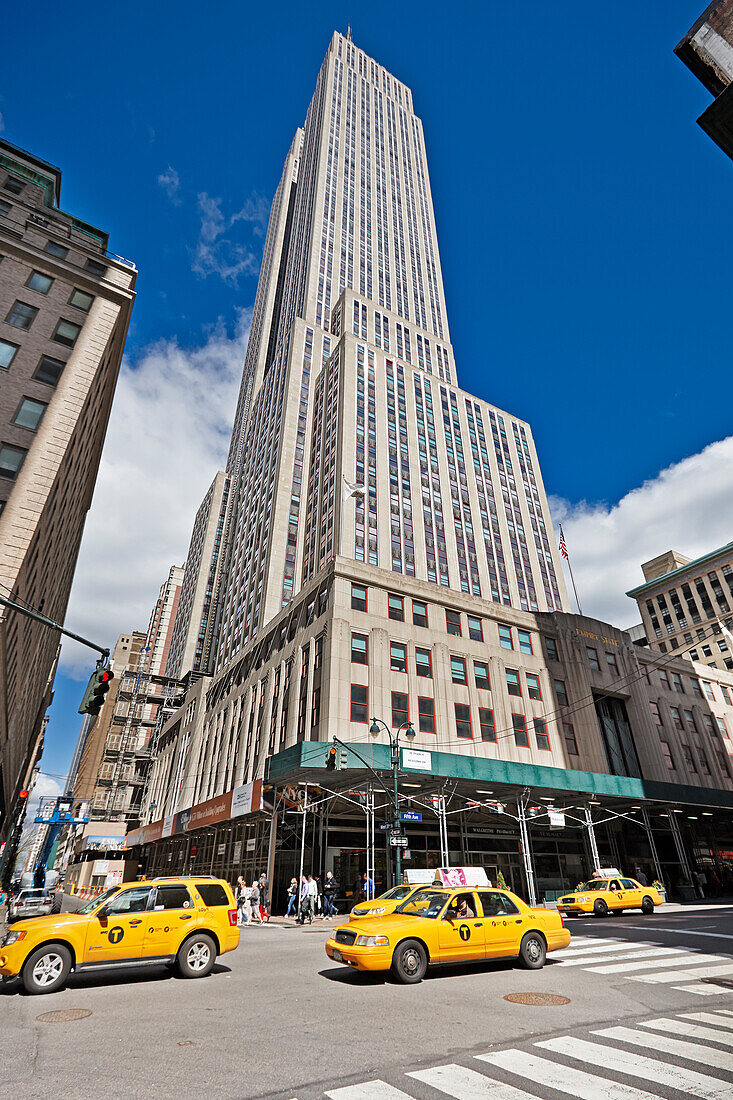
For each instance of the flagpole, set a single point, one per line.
(564, 551)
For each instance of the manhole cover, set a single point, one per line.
(64, 1015)
(538, 999)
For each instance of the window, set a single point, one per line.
(560, 692)
(400, 709)
(593, 658)
(612, 663)
(512, 682)
(13, 185)
(551, 647)
(397, 657)
(81, 300)
(533, 686)
(726, 694)
(426, 714)
(423, 663)
(667, 754)
(172, 897)
(29, 414)
(39, 282)
(58, 250)
(708, 689)
(359, 704)
(359, 649)
(525, 641)
(130, 901)
(481, 675)
(463, 720)
(688, 759)
(677, 683)
(453, 623)
(212, 894)
(676, 718)
(721, 726)
(458, 670)
(541, 735)
(519, 723)
(66, 333)
(486, 722)
(475, 631)
(7, 353)
(95, 268)
(704, 766)
(396, 608)
(419, 613)
(505, 637)
(497, 905)
(22, 315)
(49, 370)
(570, 743)
(5, 208)
(11, 460)
(654, 708)
(696, 689)
(358, 597)
(690, 719)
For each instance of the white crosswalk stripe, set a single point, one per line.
(567, 1079)
(657, 952)
(680, 958)
(691, 1030)
(600, 949)
(636, 1065)
(693, 972)
(467, 1084)
(719, 1017)
(701, 990)
(693, 1052)
(368, 1090)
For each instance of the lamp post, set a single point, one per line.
(394, 743)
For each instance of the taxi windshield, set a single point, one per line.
(90, 905)
(395, 893)
(423, 903)
(594, 884)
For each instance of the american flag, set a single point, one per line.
(563, 547)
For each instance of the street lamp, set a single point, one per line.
(394, 743)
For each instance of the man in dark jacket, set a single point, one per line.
(330, 889)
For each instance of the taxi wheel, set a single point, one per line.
(647, 906)
(47, 968)
(196, 956)
(600, 909)
(410, 962)
(532, 951)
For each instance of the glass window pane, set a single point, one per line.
(49, 370)
(22, 315)
(40, 282)
(54, 249)
(11, 460)
(66, 333)
(505, 637)
(7, 353)
(458, 670)
(81, 300)
(29, 414)
(481, 674)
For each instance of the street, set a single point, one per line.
(276, 1019)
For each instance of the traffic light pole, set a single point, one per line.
(55, 626)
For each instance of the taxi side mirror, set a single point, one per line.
(102, 915)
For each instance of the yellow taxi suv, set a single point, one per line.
(602, 896)
(180, 922)
(436, 925)
(384, 904)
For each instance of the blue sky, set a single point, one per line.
(575, 199)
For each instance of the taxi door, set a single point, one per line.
(461, 938)
(632, 893)
(503, 922)
(171, 915)
(118, 932)
(615, 897)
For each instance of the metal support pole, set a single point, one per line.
(272, 847)
(679, 845)
(592, 839)
(302, 846)
(371, 849)
(395, 768)
(526, 853)
(443, 823)
(652, 846)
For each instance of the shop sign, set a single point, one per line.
(417, 758)
(101, 867)
(557, 819)
(103, 843)
(167, 826)
(182, 820)
(251, 845)
(246, 799)
(220, 849)
(237, 855)
(211, 811)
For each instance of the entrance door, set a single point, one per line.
(461, 938)
(120, 933)
(503, 922)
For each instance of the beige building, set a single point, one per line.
(684, 601)
(162, 621)
(65, 304)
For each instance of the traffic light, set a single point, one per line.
(341, 759)
(331, 759)
(98, 686)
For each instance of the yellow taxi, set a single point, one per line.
(184, 922)
(438, 925)
(384, 904)
(602, 896)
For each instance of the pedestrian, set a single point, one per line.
(641, 877)
(312, 897)
(264, 899)
(319, 898)
(254, 901)
(330, 889)
(292, 898)
(241, 899)
(368, 887)
(700, 882)
(356, 889)
(303, 900)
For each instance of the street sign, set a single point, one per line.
(398, 841)
(396, 830)
(384, 825)
(410, 815)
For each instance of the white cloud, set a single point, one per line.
(223, 250)
(170, 182)
(687, 507)
(168, 435)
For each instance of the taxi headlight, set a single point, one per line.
(372, 941)
(581, 897)
(376, 912)
(12, 937)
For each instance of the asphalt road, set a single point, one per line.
(278, 1019)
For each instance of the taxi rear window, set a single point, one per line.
(212, 893)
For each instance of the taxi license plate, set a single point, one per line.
(338, 957)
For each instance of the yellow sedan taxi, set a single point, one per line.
(181, 922)
(438, 925)
(384, 904)
(602, 896)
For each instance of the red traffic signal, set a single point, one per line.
(331, 759)
(98, 686)
(23, 794)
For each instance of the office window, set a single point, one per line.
(419, 613)
(425, 714)
(458, 670)
(569, 735)
(708, 689)
(359, 704)
(359, 649)
(81, 300)
(400, 709)
(525, 641)
(424, 663)
(397, 657)
(463, 720)
(66, 333)
(95, 268)
(677, 683)
(5, 208)
(29, 413)
(689, 759)
(696, 689)
(654, 708)
(453, 623)
(49, 370)
(690, 719)
(486, 722)
(39, 282)
(551, 647)
(721, 726)
(676, 718)
(560, 692)
(7, 353)
(396, 608)
(704, 766)
(667, 754)
(519, 722)
(726, 694)
(358, 597)
(475, 631)
(612, 663)
(14, 185)
(505, 637)
(11, 460)
(512, 682)
(593, 658)
(709, 725)
(57, 250)
(22, 315)
(541, 734)
(533, 686)
(481, 675)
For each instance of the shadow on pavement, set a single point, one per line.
(144, 975)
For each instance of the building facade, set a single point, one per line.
(65, 305)
(707, 50)
(162, 622)
(683, 603)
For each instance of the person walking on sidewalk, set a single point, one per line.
(292, 898)
(303, 900)
(254, 900)
(330, 889)
(264, 899)
(241, 899)
(312, 896)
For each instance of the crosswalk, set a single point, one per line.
(646, 962)
(690, 1053)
